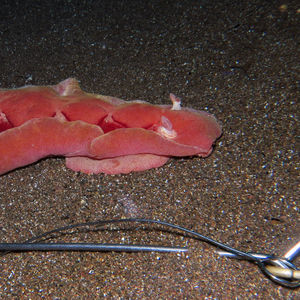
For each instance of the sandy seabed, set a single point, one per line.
(235, 59)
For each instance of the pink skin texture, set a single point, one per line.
(97, 134)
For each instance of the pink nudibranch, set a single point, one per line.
(97, 133)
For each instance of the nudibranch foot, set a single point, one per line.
(116, 165)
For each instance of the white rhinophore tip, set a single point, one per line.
(176, 102)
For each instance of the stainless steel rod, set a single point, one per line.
(86, 247)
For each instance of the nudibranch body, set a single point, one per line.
(98, 133)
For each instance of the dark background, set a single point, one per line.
(236, 59)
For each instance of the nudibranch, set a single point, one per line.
(98, 133)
